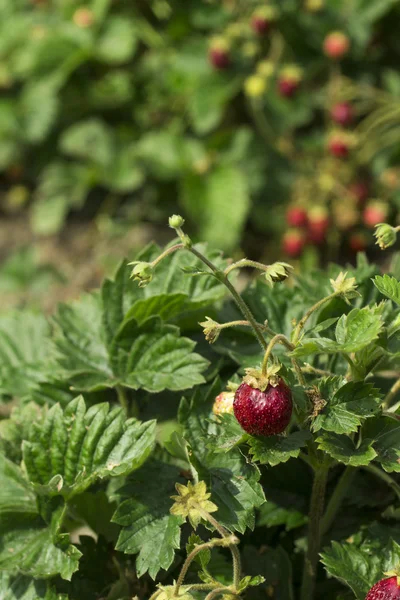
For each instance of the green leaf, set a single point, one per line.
(170, 279)
(348, 407)
(81, 446)
(343, 449)
(117, 42)
(25, 588)
(389, 287)
(16, 496)
(97, 351)
(24, 352)
(273, 515)
(354, 332)
(91, 140)
(361, 562)
(148, 528)
(385, 433)
(17, 428)
(233, 482)
(62, 185)
(208, 201)
(30, 550)
(278, 448)
(39, 105)
(229, 434)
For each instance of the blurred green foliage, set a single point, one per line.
(113, 106)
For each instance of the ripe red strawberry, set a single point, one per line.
(219, 55)
(293, 242)
(296, 216)
(289, 80)
(358, 242)
(263, 413)
(263, 19)
(318, 219)
(385, 589)
(342, 113)
(336, 45)
(338, 146)
(360, 191)
(374, 213)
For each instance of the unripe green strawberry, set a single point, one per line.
(263, 412)
(385, 589)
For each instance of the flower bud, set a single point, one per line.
(211, 330)
(142, 272)
(255, 86)
(176, 221)
(276, 272)
(385, 235)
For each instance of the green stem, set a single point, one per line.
(237, 566)
(391, 394)
(314, 533)
(277, 339)
(220, 275)
(245, 262)
(385, 477)
(337, 498)
(218, 591)
(166, 252)
(208, 545)
(303, 320)
(155, 595)
(122, 398)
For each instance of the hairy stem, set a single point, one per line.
(391, 394)
(236, 561)
(385, 477)
(218, 591)
(337, 498)
(220, 275)
(190, 558)
(314, 533)
(277, 339)
(245, 262)
(166, 253)
(303, 320)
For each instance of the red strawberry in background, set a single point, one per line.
(289, 81)
(374, 213)
(296, 216)
(293, 242)
(263, 19)
(339, 145)
(342, 113)
(358, 241)
(336, 45)
(219, 54)
(385, 589)
(360, 191)
(263, 412)
(318, 224)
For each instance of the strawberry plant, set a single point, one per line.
(125, 108)
(139, 459)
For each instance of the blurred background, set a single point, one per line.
(272, 127)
